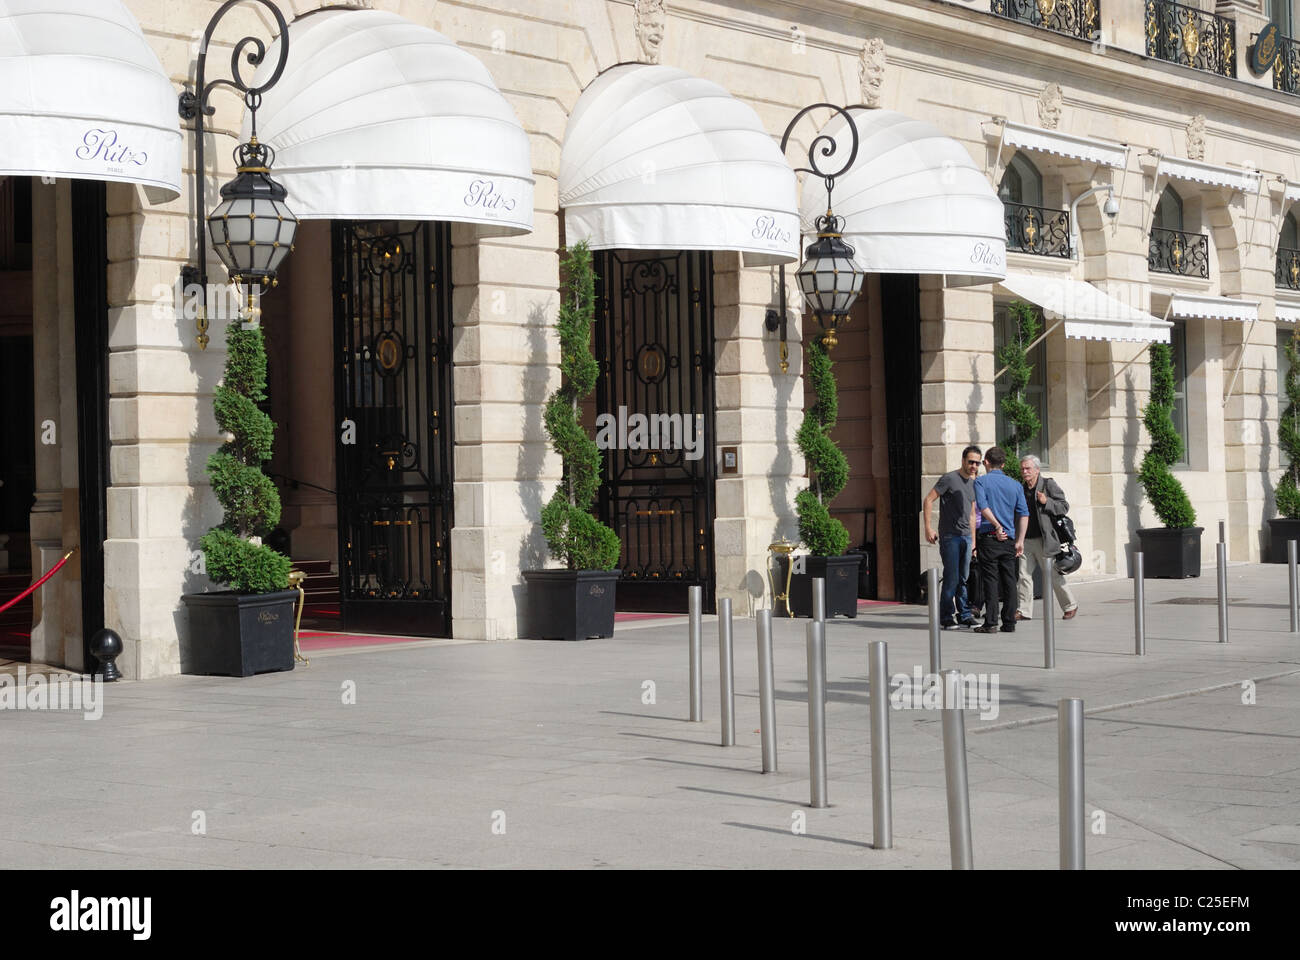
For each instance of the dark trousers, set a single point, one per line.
(998, 571)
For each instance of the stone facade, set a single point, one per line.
(952, 64)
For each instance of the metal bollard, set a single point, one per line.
(696, 599)
(726, 677)
(954, 765)
(1221, 532)
(819, 599)
(932, 592)
(1294, 581)
(766, 690)
(1069, 722)
(817, 714)
(1222, 550)
(882, 793)
(1049, 616)
(1139, 606)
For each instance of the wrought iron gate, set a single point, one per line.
(392, 343)
(654, 342)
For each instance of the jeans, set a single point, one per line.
(955, 552)
(998, 570)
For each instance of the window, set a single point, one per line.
(1290, 233)
(1004, 330)
(1022, 183)
(1279, 11)
(1169, 211)
(1178, 348)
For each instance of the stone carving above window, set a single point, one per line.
(1049, 106)
(651, 19)
(871, 70)
(1196, 138)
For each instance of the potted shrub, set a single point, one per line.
(247, 629)
(1018, 413)
(576, 602)
(1287, 497)
(824, 537)
(1174, 550)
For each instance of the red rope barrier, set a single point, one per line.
(39, 583)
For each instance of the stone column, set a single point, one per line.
(759, 410)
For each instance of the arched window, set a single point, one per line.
(1290, 233)
(1022, 183)
(1169, 211)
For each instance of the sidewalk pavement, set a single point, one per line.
(554, 744)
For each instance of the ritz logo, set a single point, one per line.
(765, 228)
(103, 145)
(483, 193)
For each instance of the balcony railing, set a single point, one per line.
(1075, 18)
(1286, 69)
(1037, 230)
(1192, 37)
(1186, 254)
(1288, 268)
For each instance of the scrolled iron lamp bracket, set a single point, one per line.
(194, 105)
(823, 146)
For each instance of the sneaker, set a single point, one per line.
(947, 626)
(987, 628)
(1069, 614)
(1007, 628)
(1020, 616)
(970, 622)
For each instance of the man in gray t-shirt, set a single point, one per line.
(955, 492)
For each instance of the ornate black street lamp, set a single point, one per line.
(829, 278)
(253, 229)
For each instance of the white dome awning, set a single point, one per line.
(378, 118)
(83, 97)
(913, 201)
(657, 159)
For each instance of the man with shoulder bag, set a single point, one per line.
(1047, 506)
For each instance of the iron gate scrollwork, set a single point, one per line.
(654, 344)
(393, 391)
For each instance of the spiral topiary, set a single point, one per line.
(1162, 488)
(573, 534)
(1287, 496)
(252, 505)
(1018, 414)
(822, 534)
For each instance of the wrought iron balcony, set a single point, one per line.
(1286, 69)
(1288, 268)
(1075, 18)
(1192, 37)
(1037, 230)
(1186, 254)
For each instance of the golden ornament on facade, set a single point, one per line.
(1090, 15)
(1031, 229)
(1295, 271)
(1176, 252)
(1046, 8)
(1191, 39)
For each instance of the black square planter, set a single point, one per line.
(841, 576)
(238, 635)
(1280, 530)
(571, 604)
(1171, 553)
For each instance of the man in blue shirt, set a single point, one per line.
(999, 508)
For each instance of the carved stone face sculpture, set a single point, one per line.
(651, 17)
(1196, 138)
(871, 70)
(1049, 106)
